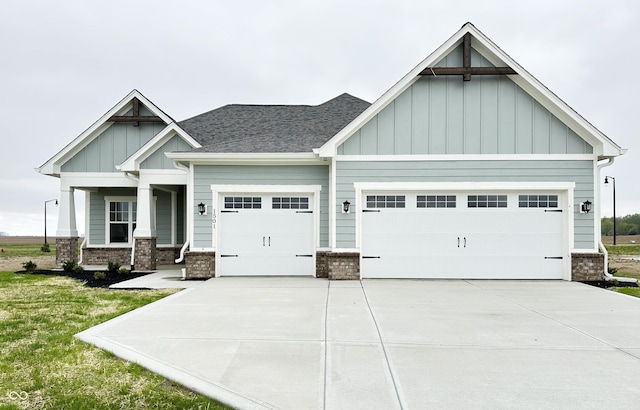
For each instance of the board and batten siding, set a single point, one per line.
(445, 115)
(158, 160)
(578, 171)
(112, 147)
(207, 175)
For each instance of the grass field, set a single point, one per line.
(18, 250)
(43, 366)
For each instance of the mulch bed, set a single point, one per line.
(88, 278)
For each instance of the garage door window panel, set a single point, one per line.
(290, 203)
(436, 201)
(486, 201)
(239, 202)
(537, 201)
(386, 201)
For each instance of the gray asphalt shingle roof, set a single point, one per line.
(272, 128)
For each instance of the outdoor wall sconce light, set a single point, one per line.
(202, 208)
(585, 207)
(345, 207)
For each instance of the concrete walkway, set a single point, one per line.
(303, 343)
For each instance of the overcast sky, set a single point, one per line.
(65, 63)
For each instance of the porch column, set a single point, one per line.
(145, 232)
(67, 233)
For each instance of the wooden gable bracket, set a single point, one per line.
(135, 118)
(466, 70)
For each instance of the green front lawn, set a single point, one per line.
(43, 366)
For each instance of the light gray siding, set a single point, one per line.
(445, 115)
(112, 147)
(580, 172)
(158, 160)
(206, 175)
(97, 212)
(163, 217)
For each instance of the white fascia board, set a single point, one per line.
(132, 164)
(463, 186)
(164, 176)
(467, 157)
(53, 165)
(96, 180)
(280, 158)
(603, 146)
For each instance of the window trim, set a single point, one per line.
(108, 200)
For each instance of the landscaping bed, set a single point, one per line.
(89, 277)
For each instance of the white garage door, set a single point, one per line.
(266, 235)
(462, 235)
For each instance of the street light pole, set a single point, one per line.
(606, 182)
(45, 217)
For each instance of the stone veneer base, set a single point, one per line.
(145, 255)
(343, 266)
(66, 250)
(200, 265)
(587, 267)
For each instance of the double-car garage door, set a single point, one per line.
(475, 235)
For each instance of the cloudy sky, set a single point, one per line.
(65, 63)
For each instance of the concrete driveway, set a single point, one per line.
(303, 343)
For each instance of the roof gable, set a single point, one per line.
(122, 112)
(492, 56)
(172, 138)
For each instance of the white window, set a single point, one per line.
(121, 221)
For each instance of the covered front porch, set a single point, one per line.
(133, 221)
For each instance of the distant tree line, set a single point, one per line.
(627, 225)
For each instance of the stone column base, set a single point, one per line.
(145, 254)
(322, 265)
(343, 266)
(66, 250)
(587, 267)
(200, 265)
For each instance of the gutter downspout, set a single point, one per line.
(82, 246)
(607, 276)
(186, 243)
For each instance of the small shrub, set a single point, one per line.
(69, 266)
(99, 276)
(45, 248)
(124, 271)
(612, 271)
(78, 270)
(30, 266)
(113, 266)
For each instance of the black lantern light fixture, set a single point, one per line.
(345, 207)
(585, 207)
(606, 183)
(202, 208)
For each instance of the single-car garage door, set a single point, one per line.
(473, 235)
(266, 235)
